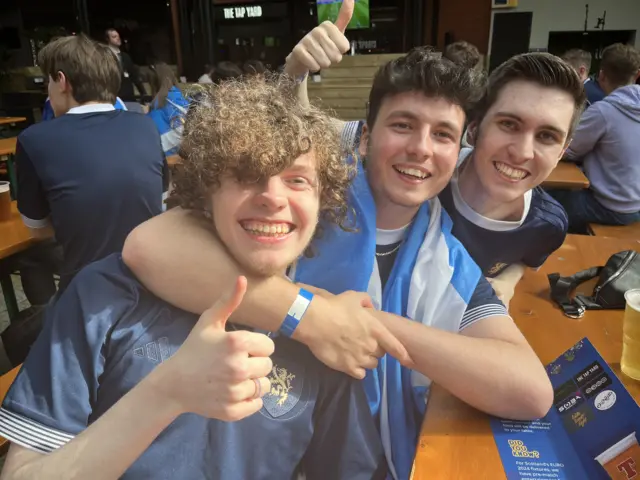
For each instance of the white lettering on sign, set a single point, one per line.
(243, 12)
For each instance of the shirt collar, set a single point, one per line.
(92, 108)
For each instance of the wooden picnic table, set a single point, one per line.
(11, 120)
(14, 237)
(566, 175)
(8, 146)
(456, 440)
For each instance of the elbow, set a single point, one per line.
(538, 399)
(133, 251)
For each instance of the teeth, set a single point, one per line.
(267, 228)
(507, 171)
(414, 172)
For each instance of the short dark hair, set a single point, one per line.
(541, 68)
(107, 31)
(620, 64)
(423, 70)
(578, 58)
(90, 67)
(463, 53)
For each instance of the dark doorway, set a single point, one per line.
(511, 35)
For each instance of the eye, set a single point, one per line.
(298, 182)
(445, 136)
(548, 137)
(401, 126)
(508, 124)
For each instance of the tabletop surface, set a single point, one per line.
(566, 175)
(14, 235)
(456, 440)
(8, 146)
(9, 120)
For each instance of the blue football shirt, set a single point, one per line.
(106, 333)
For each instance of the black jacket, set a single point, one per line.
(130, 76)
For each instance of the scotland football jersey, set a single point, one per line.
(106, 333)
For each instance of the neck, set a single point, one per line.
(113, 47)
(479, 200)
(391, 216)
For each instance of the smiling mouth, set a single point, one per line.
(267, 229)
(509, 172)
(411, 173)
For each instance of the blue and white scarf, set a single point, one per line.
(431, 282)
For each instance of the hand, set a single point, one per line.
(323, 46)
(504, 290)
(346, 337)
(212, 374)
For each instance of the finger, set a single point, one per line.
(379, 352)
(358, 373)
(370, 363)
(240, 410)
(249, 389)
(338, 38)
(227, 304)
(259, 367)
(301, 55)
(258, 344)
(345, 14)
(329, 47)
(392, 345)
(316, 51)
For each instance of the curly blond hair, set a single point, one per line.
(253, 128)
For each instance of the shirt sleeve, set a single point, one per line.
(546, 246)
(484, 303)
(345, 444)
(590, 130)
(51, 400)
(32, 199)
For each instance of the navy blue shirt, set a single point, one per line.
(594, 91)
(542, 232)
(107, 332)
(95, 176)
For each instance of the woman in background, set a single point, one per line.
(168, 106)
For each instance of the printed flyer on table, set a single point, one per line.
(591, 431)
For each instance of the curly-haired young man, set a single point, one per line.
(121, 385)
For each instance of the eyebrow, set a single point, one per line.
(553, 128)
(443, 124)
(297, 168)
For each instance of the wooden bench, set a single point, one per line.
(628, 232)
(6, 381)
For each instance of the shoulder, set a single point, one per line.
(547, 212)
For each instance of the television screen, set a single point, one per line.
(328, 10)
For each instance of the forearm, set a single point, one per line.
(107, 448)
(499, 377)
(203, 271)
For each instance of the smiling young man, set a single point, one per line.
(151, 391)
(437, 302)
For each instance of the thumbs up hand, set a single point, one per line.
(323, 46)
(219, 374)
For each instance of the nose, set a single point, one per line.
(271, 194)
(522, 148)
(420, 145)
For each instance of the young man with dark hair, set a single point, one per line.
(432, 297)
(93, 173)
(607, 142)
(150, 391)
(463, 53)
(580, 60)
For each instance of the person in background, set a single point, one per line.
(464, 54)
(607, 142)
(151, 391)
(206, 77)
(580, 60)
(168, 107)
(224, 71)
(129, 72)
(253, 67)
(94, 173)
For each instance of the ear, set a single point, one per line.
(65, 86)
(583, 70)
(472, 133)
(364, 141)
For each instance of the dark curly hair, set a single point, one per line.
(253, 128)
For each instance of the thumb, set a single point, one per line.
(227, 304)
(345, 14)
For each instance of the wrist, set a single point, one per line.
(306, 330)
(161, 389)
(297, 72)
